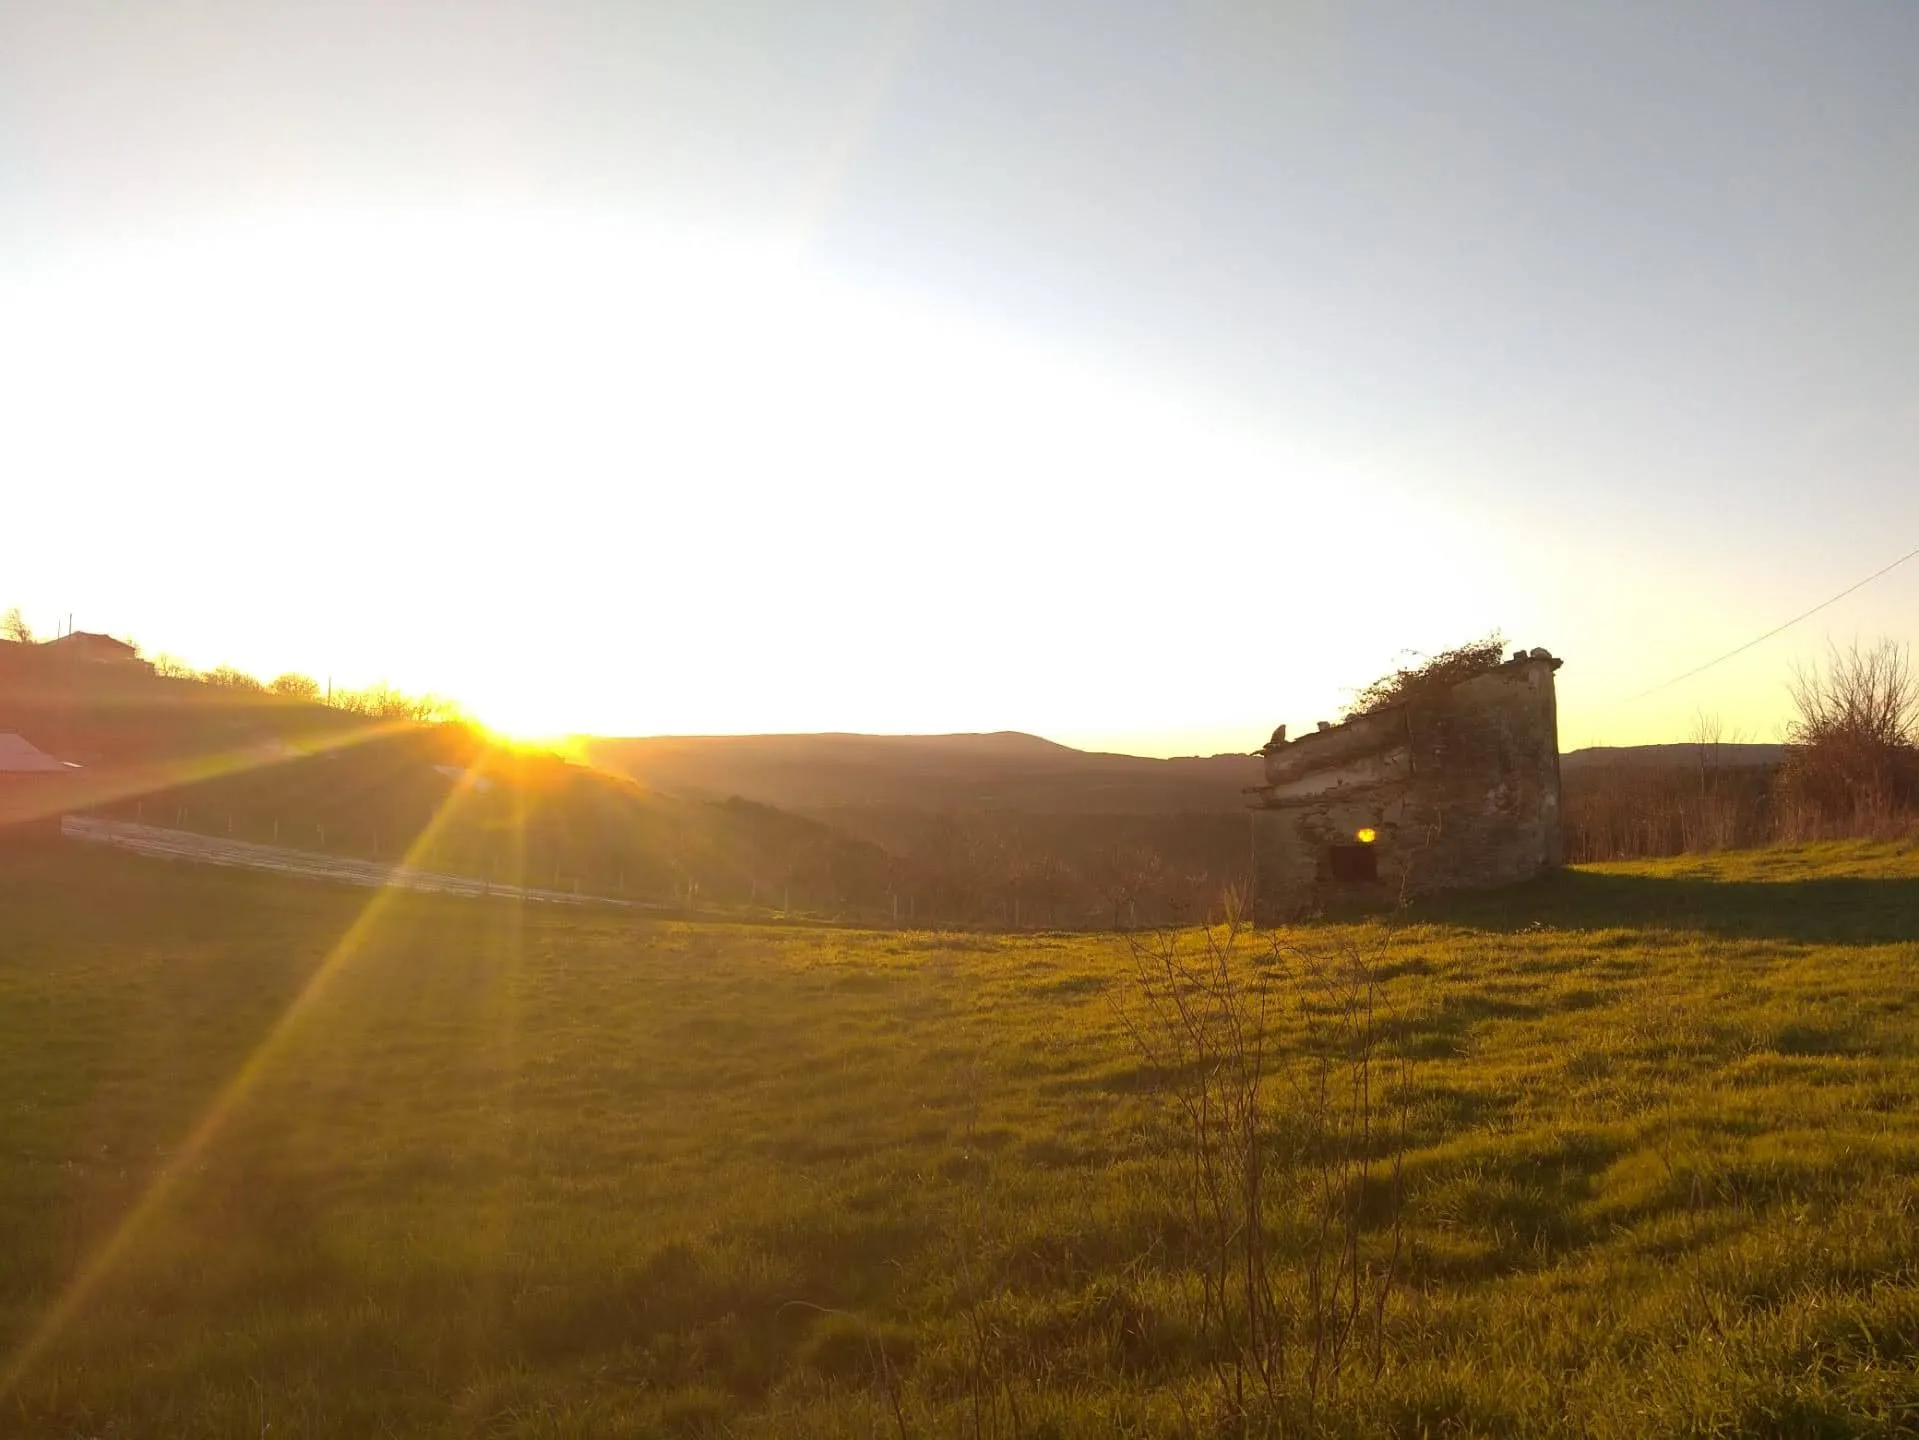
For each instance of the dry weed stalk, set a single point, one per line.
(1289, 1162)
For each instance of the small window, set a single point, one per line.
(1355, 863)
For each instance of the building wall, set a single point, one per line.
(1462, 792)
(85, 647)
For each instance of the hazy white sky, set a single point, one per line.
(1138, 375)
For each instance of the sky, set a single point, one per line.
(1142, 376)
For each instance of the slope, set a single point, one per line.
(1005, 770)
(185, 754)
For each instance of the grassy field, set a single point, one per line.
(276, 1163)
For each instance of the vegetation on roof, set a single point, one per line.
(1429, 676)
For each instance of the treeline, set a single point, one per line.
(1851, 769)
(1624, 811)
(380, 702)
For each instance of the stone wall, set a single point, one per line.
(1458, 790)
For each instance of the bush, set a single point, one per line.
(227, 677)
(296, 687)
(1854, 757)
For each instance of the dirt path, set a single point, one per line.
(308, 864)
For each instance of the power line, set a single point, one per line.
(1807, 615)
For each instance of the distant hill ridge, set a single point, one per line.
(1689, 753)
(997, 770)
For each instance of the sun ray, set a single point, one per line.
(496, 1031)
(213, 1119)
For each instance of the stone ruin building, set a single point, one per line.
(1456, 787)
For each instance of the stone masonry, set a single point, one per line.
(1447, 791)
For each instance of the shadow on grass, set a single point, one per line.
(1833, 911)
(1444, 1030)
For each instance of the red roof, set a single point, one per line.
(88, 640)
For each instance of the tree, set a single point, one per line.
(380, 701)
(438, 710)
(1124, 876)
(174, 666)
(1855, 743)
(13, 625)
(230, 678)
(296, 687)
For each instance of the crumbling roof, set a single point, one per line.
(1280, 741)
(1431, 676)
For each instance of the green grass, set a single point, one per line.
(520, 1172)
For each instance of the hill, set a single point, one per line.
(232, 761)
(1001, 771)
(1690, 755)
(1004, 829)
(1006, 771)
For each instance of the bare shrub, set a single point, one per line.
(1853, 761)
(1123, 876)
(296, 687)
(228, 677)
(1626, 811)
(1288, 1161)
(383, 702)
